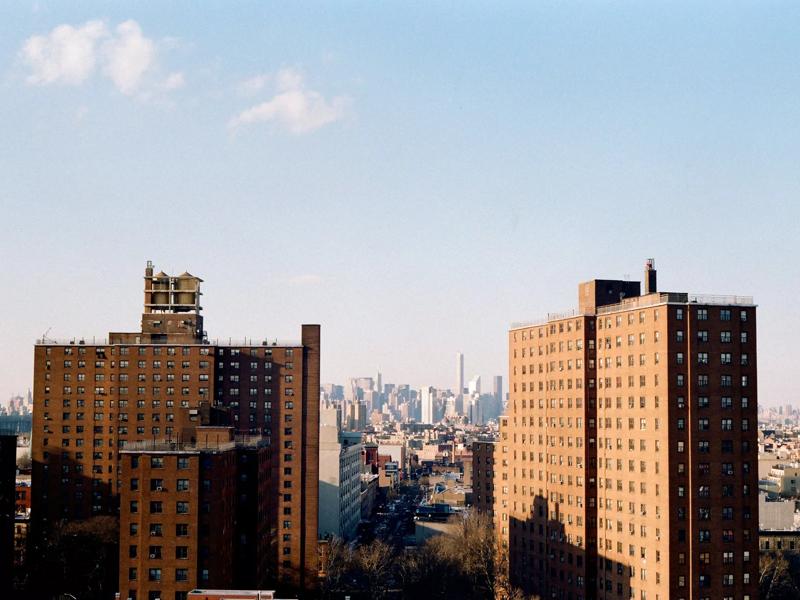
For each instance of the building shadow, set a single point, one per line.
(73, 544)
(546, 560)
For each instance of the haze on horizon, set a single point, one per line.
(414, 179)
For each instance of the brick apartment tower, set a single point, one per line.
(483, 465)
(159, 384)
(194, 513)
(627, 461)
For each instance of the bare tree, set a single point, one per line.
(336, 563)
(775, 578)
(375, 562)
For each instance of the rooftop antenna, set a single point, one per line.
(44, 335)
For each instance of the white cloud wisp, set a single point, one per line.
(294, 107)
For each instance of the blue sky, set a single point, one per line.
(412, 176)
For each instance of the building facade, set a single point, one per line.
(483, 476)
(92, 399)
(339, 477)
(628, 456)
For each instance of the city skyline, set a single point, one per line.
(399, 300)
(478, 141)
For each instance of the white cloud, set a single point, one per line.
(253, 84)
(174, 81)
(296, 108)
(288, 79)
(128, 56)
(70, 55)
(66, 55)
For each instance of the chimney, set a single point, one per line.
(650, 286)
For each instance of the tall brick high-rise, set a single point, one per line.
(627, 460)
(93, 399)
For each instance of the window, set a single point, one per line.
(156, 507)
(156, 530)
(156, 462)
(725, 337)
(702, 314)
(182, 552)
(183, 462)
(182, 508)
(181, 530)
(181, 574)
(725, 314)
(727, 535)
(183, 485)
(154, 574)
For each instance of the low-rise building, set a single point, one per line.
(775, 513)
(369, 494)
(783, 479)
(778, 541)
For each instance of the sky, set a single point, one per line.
(413, 176)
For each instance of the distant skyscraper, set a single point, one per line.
(497, 389)
(475, 385)
(427, 400)
(379, 383)
(459, 373)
